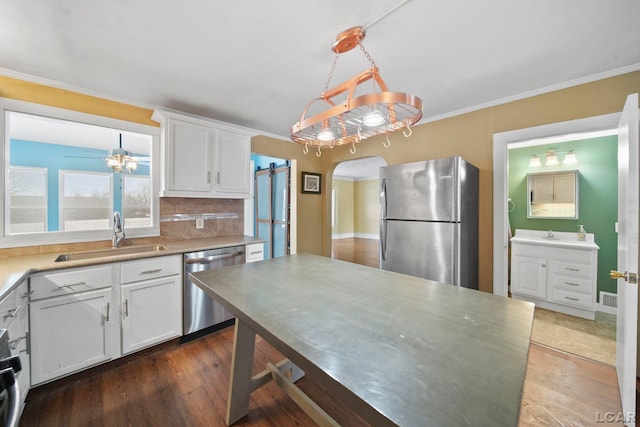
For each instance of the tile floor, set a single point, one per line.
(593, 339)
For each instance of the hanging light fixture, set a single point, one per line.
(119, 160)
(357, 117)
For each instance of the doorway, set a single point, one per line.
(551, 135)
(355, 211)
(272, 200)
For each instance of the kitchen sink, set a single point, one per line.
(130, 250)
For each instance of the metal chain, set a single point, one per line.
(333, 67)
(366, 54)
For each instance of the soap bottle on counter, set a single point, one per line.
(582, 235)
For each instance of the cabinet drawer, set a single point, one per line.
(134, 271)
(571, 269)
(8, 310)
(255, 252)
(575, 284)
(71, 281)
(573, 298)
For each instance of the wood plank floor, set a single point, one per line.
(357, 251)
(187, 385)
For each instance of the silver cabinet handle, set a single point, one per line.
(572, 269)
(26, 294)
(13, 313)
(218, 178)
(81, 283)
(572, 284)
(571, 299)
(14, 344)
(108, 311)
(157, 270)
(255, 253)
(126, 308)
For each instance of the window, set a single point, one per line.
(28, 199)
(86, 202)
(59, 188)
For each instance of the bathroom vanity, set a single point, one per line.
(555, 271)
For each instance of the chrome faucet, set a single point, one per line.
(118, 229)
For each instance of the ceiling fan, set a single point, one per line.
(119, 159)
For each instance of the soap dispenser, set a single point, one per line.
(582, 235)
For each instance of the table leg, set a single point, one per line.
(244, 341)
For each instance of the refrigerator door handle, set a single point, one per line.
(383, 217)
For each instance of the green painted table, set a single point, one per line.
(399, 350)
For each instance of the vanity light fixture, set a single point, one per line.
(552, 158)
(351, 120)
(570, 158)
(534, 162)
(119, 160)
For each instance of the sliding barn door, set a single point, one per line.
(272, 210)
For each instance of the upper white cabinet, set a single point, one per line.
(203, 158)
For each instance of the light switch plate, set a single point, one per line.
(199, 223)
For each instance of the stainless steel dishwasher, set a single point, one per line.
(200, 310)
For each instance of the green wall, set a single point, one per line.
(598, 196)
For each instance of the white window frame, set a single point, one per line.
(46, 238)
(124, 190)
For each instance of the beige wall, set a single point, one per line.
(345, 212)
(366, 202)
(471, 136)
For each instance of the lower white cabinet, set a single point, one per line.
(70, 333)
(558, 274)
(254, 252)
(151, 308)
(14, 318)
(101, 313)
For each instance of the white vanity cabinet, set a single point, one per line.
(151, 302)
(558, 274)
(71, 319)
(13, 317)
(203, 157)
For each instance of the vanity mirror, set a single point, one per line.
(553, 195)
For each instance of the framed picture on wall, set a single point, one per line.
(311, 183)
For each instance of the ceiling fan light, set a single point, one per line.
(131, 165)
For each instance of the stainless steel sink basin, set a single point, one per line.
(129, 250)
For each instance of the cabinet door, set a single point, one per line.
(529, 276)
(187, 157)
(70, 333)
(233, 163)
(151, 312)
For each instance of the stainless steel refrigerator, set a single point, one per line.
(429, 220)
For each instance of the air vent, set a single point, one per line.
(609, 300)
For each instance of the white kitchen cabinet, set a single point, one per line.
(203, 157)
(13, 317)
(254, 252)
(558, 274)
(70, 333)
(151, 302)
(81, 317)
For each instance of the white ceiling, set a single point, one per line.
(257, 63)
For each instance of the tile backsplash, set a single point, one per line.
(181, 230)
(169, 230)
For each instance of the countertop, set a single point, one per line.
(399, 349)
(15, 269)
(560, 239)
